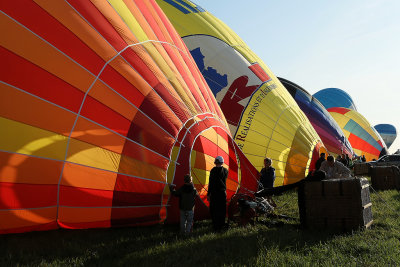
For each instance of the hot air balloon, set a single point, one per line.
(388, 133)
(262, 116)
(335, 97)
(327, 128)
(102, 105)
(364, 139)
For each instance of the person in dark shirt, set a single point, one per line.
(187, 195)
(319, 161)
(267, 174)
(267, 179)
(344, 160)
(217, 193)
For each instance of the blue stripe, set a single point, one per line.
(177, 6)
(187, 5)
(357, 130)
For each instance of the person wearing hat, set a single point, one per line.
(187, 196)
(217, 193)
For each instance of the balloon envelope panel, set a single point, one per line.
(388, 133)
(101, 104)
(327, 128)
(364, 139)
(262, 116)
(335, 97)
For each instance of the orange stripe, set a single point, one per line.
(24, 43)
(67, 16)
(85, 177)
(16, 168)
(138, 168)
(112, 100)
(23, 218)
(30, 110)
(98, 136)
(76, 215)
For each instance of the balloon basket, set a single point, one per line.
(385, 177)
(362, 169)
(336, 204)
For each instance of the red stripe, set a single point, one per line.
(156, 109)
(101, 24)
(85, 225)
(139, 153)
(36, 227)
(85, 197)
(259, 72)
(105, 116)
(21, 73)
(177, 41)
(136, 192)
(249, 173)
(126, 89)
(358, 143)
(39, 21)
(26, 196)
(338, 110)
(148, 134)
(135, 216)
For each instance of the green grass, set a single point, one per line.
(264, 244)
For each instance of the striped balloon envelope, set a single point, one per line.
(335, 97)
(364, 139)
(102, 105)
(388, 133)
(327, 128)
(262, 116)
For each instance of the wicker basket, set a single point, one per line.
(362, 169)
(385, 178)
(337, 204)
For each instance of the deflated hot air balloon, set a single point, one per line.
(335, 97)
(388, 133)
(327, 128)
(364, 139)
(101, 105)
(262, 116)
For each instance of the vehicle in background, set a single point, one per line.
(387, 160)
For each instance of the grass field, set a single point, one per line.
(265, 244)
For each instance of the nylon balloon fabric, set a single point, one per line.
(262, 116)
(102, 105)
(335, 97)
(364, 139)
(327, 128)
(388, 133)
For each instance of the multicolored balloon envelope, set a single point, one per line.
(364, 139)
(262, 116)
(335, 97)
(388, 133)
(327, 128)
(101, 104)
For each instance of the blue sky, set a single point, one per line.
(353, 45)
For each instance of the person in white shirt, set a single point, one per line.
(334, 169)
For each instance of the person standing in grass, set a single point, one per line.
(267, 174)
(217, 193)
(187, 196)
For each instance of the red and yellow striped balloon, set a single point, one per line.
(101, 105)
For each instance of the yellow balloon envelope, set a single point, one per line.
(262, 116)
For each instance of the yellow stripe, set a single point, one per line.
(89, 155)
(25, 139)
